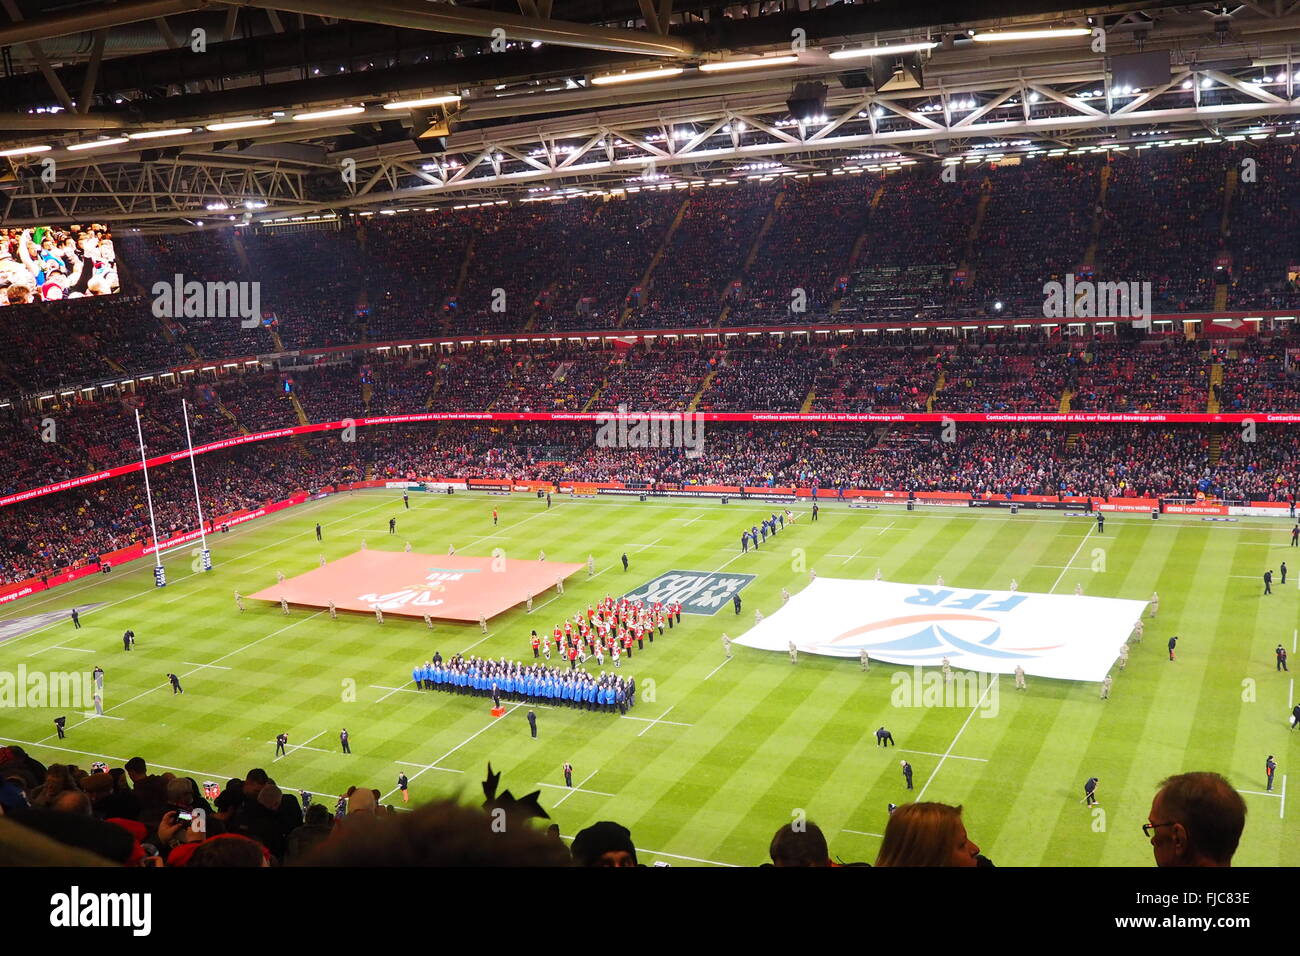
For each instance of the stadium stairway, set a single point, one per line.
(1229, 190)
(856, 252)
(986, 194)
(1216, 444)
(1212, 404)
(298, 410)
(754, 250)
(231, 415)
(275, 340)
(644, 281)
(704, 385)
(808, 400)
(1090, 257)
(1063, 405)
(464, 266)
(939, 383)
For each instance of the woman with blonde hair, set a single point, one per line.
(927, 834)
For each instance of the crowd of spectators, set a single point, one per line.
(64, 815)
(1263, 232)
(75, 526)
(577, 264)
(1161, 225)
(693, 280)
(1035, 230)
(1164, 375)
(798, 266)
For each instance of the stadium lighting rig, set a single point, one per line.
(638, 76)
(753, 63)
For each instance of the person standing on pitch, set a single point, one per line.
(1282, 570)
(126, 640)
(1270, 765)
(1173, 642)
(794, 653)
(406, 500)
(1020, 677)
(1295, 716)
(1123, 656)
(735, 601)
(1155, 604)
(318, 531)
(1090, 791)
(884, 738)
(239, 601)
(98, 675)
(907, 773)
(624, 560)
(568, 774)
(1268, 582)
(1101, 523)
(864, 659)
(280, 741)
(58, 725)
(814, 511)
(726, 644)
(532, 723)
(176, 684)
(392, 526)
(1105, 688)
(343, 739)
(76, 618)
(402, 785)
(1281, 657)
(494, 517)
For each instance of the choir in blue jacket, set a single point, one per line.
(534, 683)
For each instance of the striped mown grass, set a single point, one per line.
(742, 746)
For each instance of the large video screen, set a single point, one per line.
(50, 263)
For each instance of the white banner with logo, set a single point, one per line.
(1068, 636)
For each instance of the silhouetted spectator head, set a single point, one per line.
(180, 792)
(801, 844)
(437, 834)
(270, 797)
(604, 844)
(72, 801)
(1196, 819)
(927, 834)
(136, 769)
(229, 849)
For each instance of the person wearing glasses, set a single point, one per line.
(1196, 819)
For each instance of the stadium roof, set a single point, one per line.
(146, 108)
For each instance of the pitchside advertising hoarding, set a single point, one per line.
(1071, 637)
